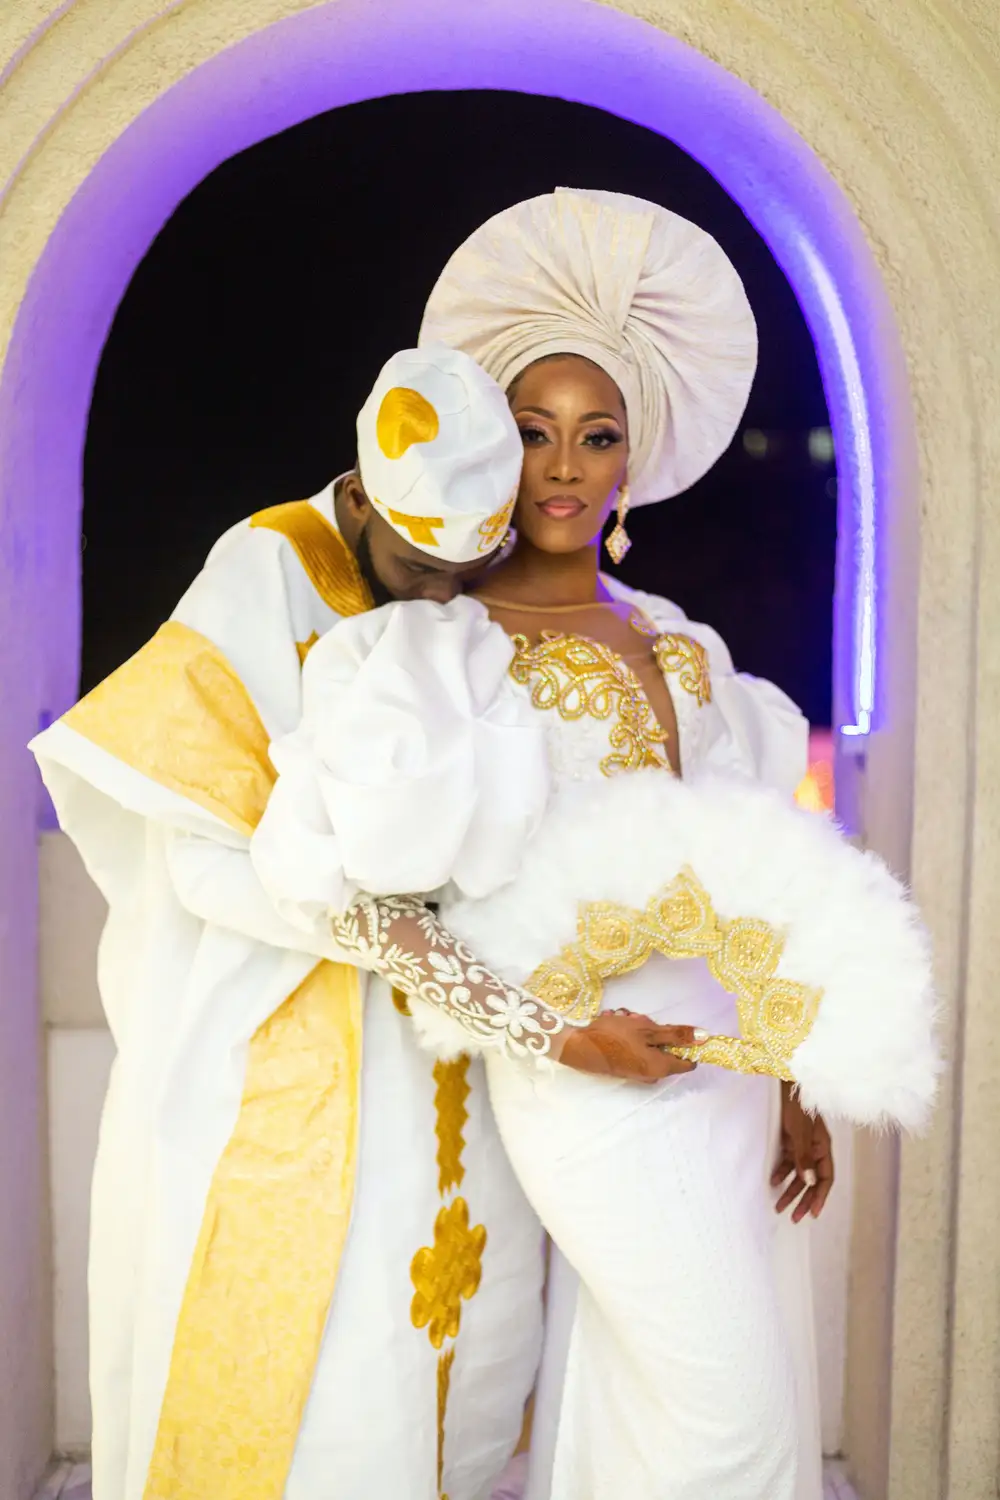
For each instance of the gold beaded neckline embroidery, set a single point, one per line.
(678, 653)
(583, 678)
(689, 659)
(776, 1015)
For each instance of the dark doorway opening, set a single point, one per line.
(255, 325)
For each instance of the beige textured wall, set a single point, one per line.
(78, 1066)
(899, 99)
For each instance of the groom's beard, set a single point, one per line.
(363, 557)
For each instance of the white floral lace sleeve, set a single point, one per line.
(401, 940)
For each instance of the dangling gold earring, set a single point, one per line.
(619, 541)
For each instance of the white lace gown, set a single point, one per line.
(679, 1359)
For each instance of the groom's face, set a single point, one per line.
(391, 566)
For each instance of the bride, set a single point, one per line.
(679, 1359)
(627, 347)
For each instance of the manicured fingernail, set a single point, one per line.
(700, 1035)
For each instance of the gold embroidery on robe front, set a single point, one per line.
(304, 647)
(775, 1014)
(452, 1079)
(447, 1273)
(445, 1362)
(329, 562)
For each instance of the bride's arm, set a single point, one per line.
(398, 938)
(402, 940)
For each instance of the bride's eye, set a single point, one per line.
(603, 439)
(532, 436)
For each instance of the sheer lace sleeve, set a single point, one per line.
(401, 939)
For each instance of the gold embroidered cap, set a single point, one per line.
(439, 453)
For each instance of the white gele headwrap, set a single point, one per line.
(439, 453)
(649, 297)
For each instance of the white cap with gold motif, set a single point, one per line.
(439, 453)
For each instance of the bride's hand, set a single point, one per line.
(620, 1044)
(806, 1157)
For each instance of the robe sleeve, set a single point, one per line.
(178, 737)
(218, 884)
(460, 1005)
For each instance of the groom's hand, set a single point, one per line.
(623, 1045)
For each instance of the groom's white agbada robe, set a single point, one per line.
(312, 1271)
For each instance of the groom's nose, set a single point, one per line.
(439, 588)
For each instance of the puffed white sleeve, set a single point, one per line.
(416, 766)
(219, 885)
(751, 727)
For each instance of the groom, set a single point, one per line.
(271, 1130)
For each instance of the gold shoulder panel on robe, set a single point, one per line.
(178, 713)
(322, 551)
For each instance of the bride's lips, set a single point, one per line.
(561, 507)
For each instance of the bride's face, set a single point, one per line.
(575, 434)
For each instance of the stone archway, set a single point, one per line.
(113, 118)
